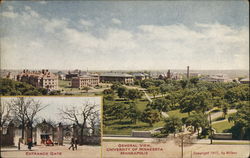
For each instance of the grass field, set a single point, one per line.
(222, 126)
(125, 127)
(177, 113)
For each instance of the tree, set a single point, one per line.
(79, 115)
(109, 97)
(115, 86)
(108, 92)
(24, 111)
(241, 119)
(5, 115)
(121, 91)
(94, 120)
(150, 116)
(187, 104)
(32, 108)
(154, 90)
(183, 83)
(133, 94)
(197, 120)
(173, 124)
(203, 101)
(160, 104)
(194, 80)
(224, 106)
(86, 89)
(119, 111)
(133, 113)
(164, 88)
(11, 87)
(239, 93)
(147, 83)
(55, 92)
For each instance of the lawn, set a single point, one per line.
(64, 84)
(125, 127)
(222, 126)
(177, 113)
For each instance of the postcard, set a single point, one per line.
(128, 79)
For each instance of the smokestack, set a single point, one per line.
(187, 72)
(168, 74)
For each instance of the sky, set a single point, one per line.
(125, 35)
(53, 104)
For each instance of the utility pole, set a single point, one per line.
(211, 132)
(182, 139)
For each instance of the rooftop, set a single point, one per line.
(116, 75)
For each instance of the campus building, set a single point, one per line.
(117, 77)
(84, 81)
(140, 76)
(245, 81)
(216, 78)
(39, 79)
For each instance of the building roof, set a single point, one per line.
(139, 74)
(115, 75)
(245, 79)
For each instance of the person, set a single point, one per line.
(49, 142)
(72, 144)
(76, 143)
(29, 143)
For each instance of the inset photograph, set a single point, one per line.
(50, 127)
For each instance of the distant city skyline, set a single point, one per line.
(125, 35)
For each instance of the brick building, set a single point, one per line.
(84, 81)
(43, 79)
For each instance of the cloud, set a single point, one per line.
(27, 8)
(116, 21)
(85, 22)
(10, 8)
(9, 14)
(55, 44)
(43, 2)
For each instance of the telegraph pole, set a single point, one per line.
(211, 132)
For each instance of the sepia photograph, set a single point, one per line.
(125, 78)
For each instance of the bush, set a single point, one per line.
(159, 135)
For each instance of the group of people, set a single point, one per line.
(73, 144)
(47, 141)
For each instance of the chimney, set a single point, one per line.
(168, 74)
(187, 72)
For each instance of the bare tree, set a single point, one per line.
(79, 115)
(18, 108)
(25, 111)
(4, 114)
(94, 121)
(4, 118)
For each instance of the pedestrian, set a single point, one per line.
(76, 142)
(29, 143)
(72, 144)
